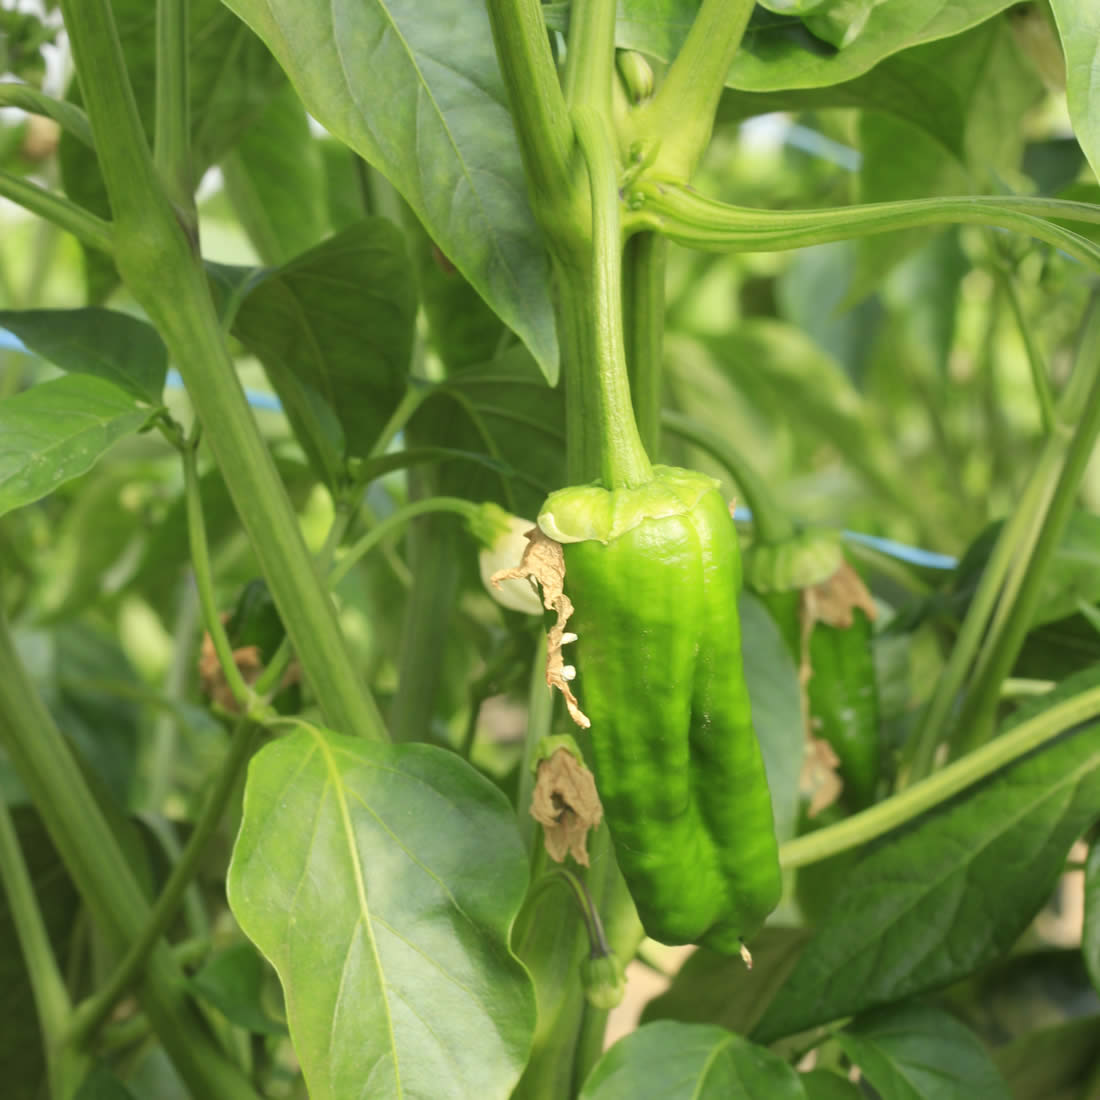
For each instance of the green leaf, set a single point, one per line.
(233, 981)
(823, 1084)
(58, 430)
(505, 410)
(1090, 931)
(916, 1052)
(718, 989)
(381, 881)
(916, 913)
(442, 133)
(336, 323)
(776, 715)
(1052, 1063)
(1079, 29)
(102, 1084)
(101, 342)
(231, 76)
(275, 179)
(677, 1061)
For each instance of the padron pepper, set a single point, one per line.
(651, 578)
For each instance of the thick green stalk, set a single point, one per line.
(644, 331)
(86, 227)
(172, 129)
(915, 800)
(697, 222)
(590, 55)
(159, 266)
(44, 762)
(93, 1012)
(538, 106)
(680, 118)
(603, 377)
(51, 998)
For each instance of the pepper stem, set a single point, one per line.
(604, 401)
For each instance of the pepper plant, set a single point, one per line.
(381, 713)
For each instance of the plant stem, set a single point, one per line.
(1034, 360)
(51, 998)
(1015, 539)
(172, 129)
(644, 331)
(681, 116)
(85, 226)
(590, 55)
(606, 386)
(160, 268)
(928, 793)
(67, 115)
(204, 580)
(698, 222)
(90, 1016)
(44, 762)
(981, 703)
(538, 106)
(769, 521)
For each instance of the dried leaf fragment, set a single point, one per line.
(565, 803)
(544, 562)
(833, 601)
(820, 780)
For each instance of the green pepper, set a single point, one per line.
(653, 574)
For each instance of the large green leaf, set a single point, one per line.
(111, 345)
(677, 1061)
(916, 1052)
(276, 181)
(58, 430)
(952, 891)
(1052, 1063)
(231, 76)
(1079, 29)
(772, 680)
(415, 90)
(381, 881)
(337, 323)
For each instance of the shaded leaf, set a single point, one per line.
(442, 134)
(274, 176)
(381, 881)
(952, 891)
(58, 430)
(102, 1084)
(335, 325)
(1053, 1063)
(822, 1084)
(505, 410)
(772, 681)
(916, 1052)
(718, 989)
(690, 1062)
(110, 345)
(1079, 29)
(233, 981)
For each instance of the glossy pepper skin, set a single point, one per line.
(654, 573)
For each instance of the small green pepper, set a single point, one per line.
(653, 573)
